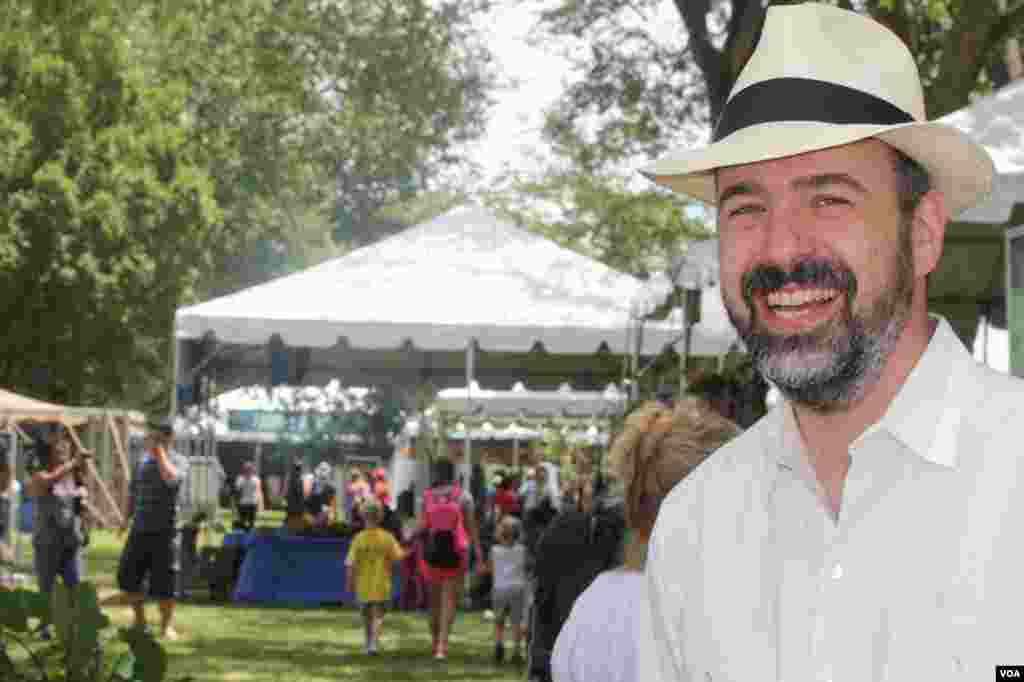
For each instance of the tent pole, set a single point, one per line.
(175, 370)
(685, 359)
(687, 341)
(467, 453)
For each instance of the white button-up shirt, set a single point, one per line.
(919, 577)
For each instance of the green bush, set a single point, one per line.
(80, 651)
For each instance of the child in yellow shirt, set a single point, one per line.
(368, 571)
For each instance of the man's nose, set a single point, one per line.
(788, 235)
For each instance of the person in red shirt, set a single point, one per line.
(381, 487)
(506, 500)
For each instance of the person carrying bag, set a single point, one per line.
(446, 538)
(448, 525)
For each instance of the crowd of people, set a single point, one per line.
(867, 528)
(529, 544)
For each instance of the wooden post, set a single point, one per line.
(121, 456)
(90, 466)
(98, 515)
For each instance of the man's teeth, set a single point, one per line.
(800, 297)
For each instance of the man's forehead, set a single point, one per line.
(861, 160)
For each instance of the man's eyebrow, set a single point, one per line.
(739, 189)
(825, 179)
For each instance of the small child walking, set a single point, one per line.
(508, 566)
(368, 571)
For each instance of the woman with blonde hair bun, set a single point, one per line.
(657, 448)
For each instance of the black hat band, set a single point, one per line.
(805, 99)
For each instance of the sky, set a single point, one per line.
(514, 128)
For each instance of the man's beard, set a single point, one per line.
(832, 366)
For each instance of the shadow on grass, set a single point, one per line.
(400, 660)
(279, 644)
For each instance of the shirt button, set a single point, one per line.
(837, 572)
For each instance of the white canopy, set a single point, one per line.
(997, 121)
(303, 400)
(462, 276)
(523, 402)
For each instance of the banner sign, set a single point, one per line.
(266, 421)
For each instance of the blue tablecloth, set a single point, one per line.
(297, 570)
(239, 538)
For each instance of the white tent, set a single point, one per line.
(521, 401)
(465, 275)
(997, 121)
(970, 281)
(301, 401)
(465, 282)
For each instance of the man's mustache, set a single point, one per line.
(815, 272)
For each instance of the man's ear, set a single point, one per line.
(928, 232)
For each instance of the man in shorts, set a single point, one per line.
(153, 543)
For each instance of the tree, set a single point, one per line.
(644, 88)
(156, 153)
(599, 215)
(312, 115)
(104, 204)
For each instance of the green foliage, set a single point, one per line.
(654, 75)
(637, 232)
(104, 202)
(155, 153)
(81, 650)
(311, 111)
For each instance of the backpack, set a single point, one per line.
(446, 540)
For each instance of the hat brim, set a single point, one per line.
(958, 166)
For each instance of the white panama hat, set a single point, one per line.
(821, 77)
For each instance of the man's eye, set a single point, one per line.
(830, 200)
(744, 209)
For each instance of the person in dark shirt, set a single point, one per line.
(571, 550)
(152, 548)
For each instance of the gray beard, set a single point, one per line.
(831, 368)
(829, 376)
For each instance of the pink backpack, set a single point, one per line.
(447, 540)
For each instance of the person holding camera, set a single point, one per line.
(153, 544)
(57, 534)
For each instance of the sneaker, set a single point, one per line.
(371, 649)
(170, 634)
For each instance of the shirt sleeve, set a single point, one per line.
(565, 646)
(353, 550)
(397, 553)
(658, 655)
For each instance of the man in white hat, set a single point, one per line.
(870, 527)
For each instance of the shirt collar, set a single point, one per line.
(924, 415)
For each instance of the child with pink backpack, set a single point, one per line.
(449, 524)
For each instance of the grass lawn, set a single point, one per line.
(227, 643)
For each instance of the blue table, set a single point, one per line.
(292, 569)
